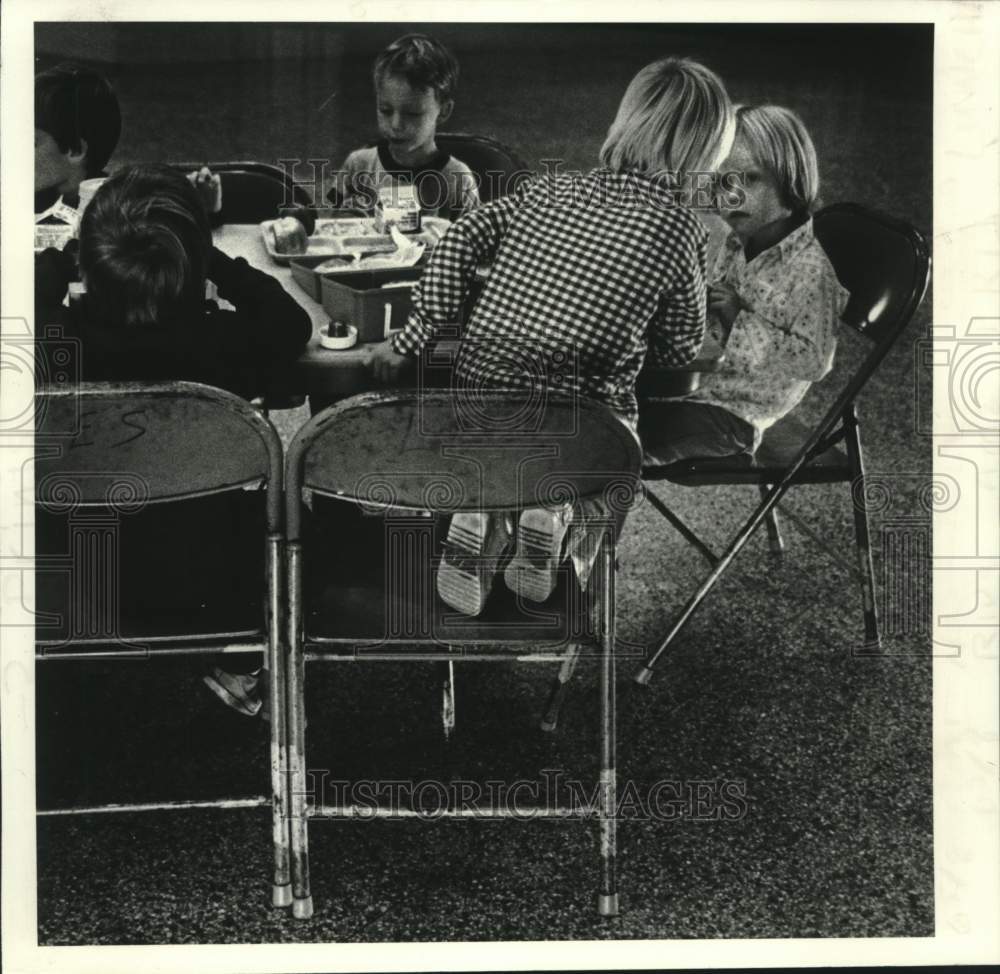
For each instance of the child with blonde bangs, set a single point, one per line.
(602, 308)
(774, 298)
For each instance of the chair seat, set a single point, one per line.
(372, 597)
(778, 449)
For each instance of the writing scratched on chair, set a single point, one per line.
(99, 429)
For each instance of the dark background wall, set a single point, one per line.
(270, 91)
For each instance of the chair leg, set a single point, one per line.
(773, 528)
(560, 682)
(281, 891)
(735, 546)
(862, 536)
(683, 530)
(302, 905)
(448, 700)
(607, 899)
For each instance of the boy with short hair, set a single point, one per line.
(415, 80)
(77, 126)
(78, 122)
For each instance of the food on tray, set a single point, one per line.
(289, 236)
(304, 214)
(353, 239)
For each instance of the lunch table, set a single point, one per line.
(326, 375)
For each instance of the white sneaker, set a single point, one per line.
(475, 545)
(533, 571)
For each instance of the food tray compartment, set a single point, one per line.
(335, 236)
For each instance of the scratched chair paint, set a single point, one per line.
(410, 455)
(106, 452)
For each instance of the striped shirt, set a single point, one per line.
(588, 273)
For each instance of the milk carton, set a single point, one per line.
(397, 205)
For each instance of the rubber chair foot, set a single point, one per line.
(281, 896)
(607, 906)
(548, 725)
(303, 909)
(643, 677)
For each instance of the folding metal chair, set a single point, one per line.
(410, 454)
(885, 265)
(498, 168)
(252, 191)
(106, 453)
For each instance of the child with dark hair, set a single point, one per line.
(78, 122)
(415, 80)
(145, 256)
(77, 126)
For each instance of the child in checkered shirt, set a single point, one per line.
(592, 268)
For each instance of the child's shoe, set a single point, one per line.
(533, 571)
(236, 690)
(472, 552)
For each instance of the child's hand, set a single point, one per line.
(209, 186)
(725, 303)
(386, 363)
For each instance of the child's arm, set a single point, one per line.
(678, 327)
(445, 284)
(269, 317)
(354, 183)
(789, 331)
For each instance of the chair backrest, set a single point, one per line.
(252, 191)
(498, 168)
(434, 450)
(128, 444)
(883, 262)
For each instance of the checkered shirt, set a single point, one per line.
(589, 272)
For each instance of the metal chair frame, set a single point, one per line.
(341, 472)
(109, 462)
(817, 460)
(514, 167)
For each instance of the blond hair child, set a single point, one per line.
(588, 268)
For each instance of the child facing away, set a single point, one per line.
(774, 299)
(145, 255)
(593, 269)
(78, 123)
(415, 79)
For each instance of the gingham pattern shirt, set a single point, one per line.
(588, 273)
(775, 351)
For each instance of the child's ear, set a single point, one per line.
(445, 113)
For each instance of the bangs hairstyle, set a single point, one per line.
(76, 105)
(675, 116)
(424, 62)
(144, 248)
(778, 140)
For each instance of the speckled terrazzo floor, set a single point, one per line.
(829, 750)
